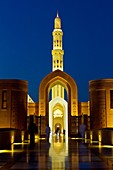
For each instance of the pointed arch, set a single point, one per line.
(67, 82)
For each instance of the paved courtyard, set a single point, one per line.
(56, 155)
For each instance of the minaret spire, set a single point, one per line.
(57, 14)
(57, 22)
(57, 52)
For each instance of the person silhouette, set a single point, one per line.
(48, 130)
(32, 130)
(82, 129)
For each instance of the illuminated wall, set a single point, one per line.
(101, 103)
(32, 108)
(84, 108)
(13, 104)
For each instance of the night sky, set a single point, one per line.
(26, 40)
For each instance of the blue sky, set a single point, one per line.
(26, 40)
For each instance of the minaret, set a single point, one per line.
(57, 52)
(57, 55)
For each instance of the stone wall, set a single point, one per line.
(13, 104)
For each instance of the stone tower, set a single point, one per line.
(57, 55)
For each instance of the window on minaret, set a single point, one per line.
(111, 99)
(4, 99)
(60, 43)
(57, 43)
(60, 63)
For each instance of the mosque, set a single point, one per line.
(58, 94)
(58, 102)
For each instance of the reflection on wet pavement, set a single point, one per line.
(55, 155)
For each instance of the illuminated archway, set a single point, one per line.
(66, 81)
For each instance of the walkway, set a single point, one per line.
(57, 155)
